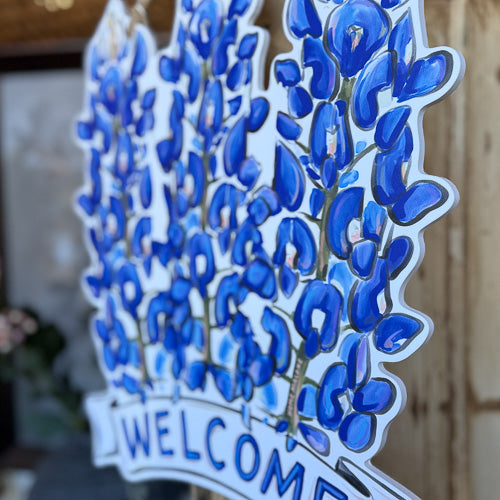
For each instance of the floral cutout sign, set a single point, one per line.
(250, 247)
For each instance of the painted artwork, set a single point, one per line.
(250, 248)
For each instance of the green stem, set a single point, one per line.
(291, 413)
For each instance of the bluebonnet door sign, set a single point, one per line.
(249, 248)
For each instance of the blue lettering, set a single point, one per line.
(189, 454)
(162, 431)
(142, 439)
(246, 438)
(215, 422)
(274, 469)
(323, 487)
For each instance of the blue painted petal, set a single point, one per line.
(235, 105)
(346, 206)
(355, 353)
(324, 81)
(247, 46)
(170, 69)
(131, 385)
(288, 280)
(197, 170)
(265, 204)
(395, 331)
(195, 374)
(363, 258)
(304, 241)
(390, 126)
(322, 122)
(388, 181)
(374, 218)
(192, 68)
(299, 102)
(281, 344)
(306, 402)
(420, 199)
(128, 275)
(388, 4)
(376, 396)
(357, 431)
(259, 109)
(225, 383)
(235, 147)
(249, 172)
(146, 188)
(180, 289)
(303, 19)
(235, 77)
(141, 56)
(333, 386)
(124, 159)
(316, 202)
(205, 26)
(356, 30)
(211, 112)
(142, 230)
(348, 179)
(269, 397)
(289, 180)
(287, 72)
(201, 246)
(149, 99)
(319, 296)
(287, 127)
(158, 311)
(259, 277)
(229, 288)
(376, 76)
(85, 130)
(315, 438)
(247, 233)
(398, 255)
(228, 38)
(261, 370)
(111, 90)
(145, 124)
(238, 7)
(402, 43)
(365, 311)
(427, 75)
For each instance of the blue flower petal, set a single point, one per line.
(319, 296)
(357, 431)
(287, 127)
(356, 30)
(324, 81)
(395, 331)
(259, 277)
(249, 172)
(247, 46)
(420, 199)
(316, 202)
(426, 76)
(333, 385)
(365, 310)
(141, 56)
(238, 7)
(402, 43)
(259, 109)
(316, 438)
(375, 76)
(388, 175)
(280, 344)
(306, 402)
(303, 19)
(398, 255)
(376, 396)
(390, 126)
(363, 258)
(346, 206)
(287, 72)
(228, 38)
(289, 180)
(201, 246)
(299, 102)
(205, 26)
(235, 147)
(355, 353)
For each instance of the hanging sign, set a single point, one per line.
(250, 247)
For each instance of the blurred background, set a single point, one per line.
(445, 445)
